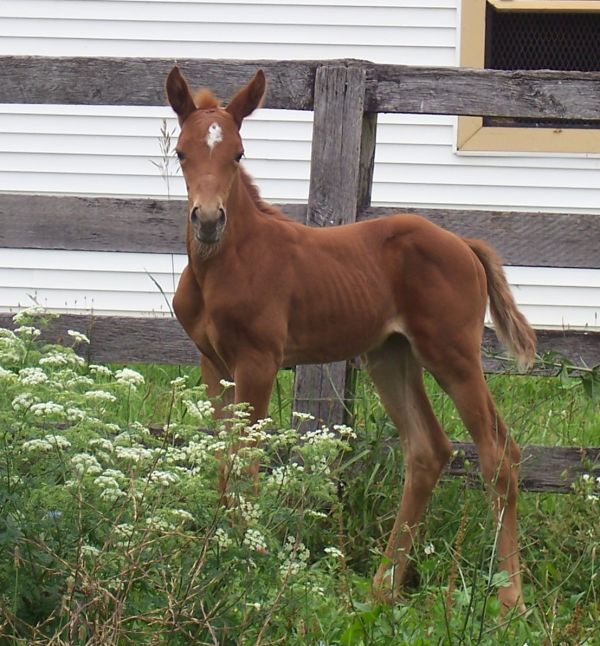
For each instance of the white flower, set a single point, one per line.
(100, 395)
(89, 550)
(101, 444)
(222, 538)
(227, 384)
(85, 463)
(32, 376)
(344, 431)
(7, 374)
(78, 337)
(24, 401)
(294, 557)
(164, 478)
(28, 332)
(134, 454)
(46, 408)
(59, 441)
(75, 414)
(181, 514)
(255, 540)
(334, 551)
(25, 315)
(36, 445)
(201, 410)
(178, 382)
(129, 377)
(429, 549)
(159, 524)
(103, 371)
(57, 358)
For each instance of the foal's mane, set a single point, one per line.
(206, 100)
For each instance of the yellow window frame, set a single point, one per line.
(472, 135)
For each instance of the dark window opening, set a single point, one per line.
(532, 40)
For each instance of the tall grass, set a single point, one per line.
(112, 531)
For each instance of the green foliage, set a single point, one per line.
(112, 530)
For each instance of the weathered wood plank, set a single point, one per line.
(140, 81)
(390, 88)
(157, 226)
(477, 92)
(342, 160)
(548, 469)
(528, 239)
(122, 339)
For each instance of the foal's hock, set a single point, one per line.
(261, 291)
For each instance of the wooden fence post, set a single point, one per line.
(341, 176)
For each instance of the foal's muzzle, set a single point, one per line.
(208, 226)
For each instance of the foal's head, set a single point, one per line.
(209, 149)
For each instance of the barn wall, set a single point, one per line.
(115, 150)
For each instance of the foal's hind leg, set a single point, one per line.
(457, 368)
(398, 378)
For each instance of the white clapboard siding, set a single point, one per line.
(114, 151)
(127, 283)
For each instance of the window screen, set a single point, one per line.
(526, 40)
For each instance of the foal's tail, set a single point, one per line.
(511, 326)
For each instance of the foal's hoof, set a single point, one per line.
(511, 602)
(383, 591)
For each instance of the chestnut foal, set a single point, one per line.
(261, 291)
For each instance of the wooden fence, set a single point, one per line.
(346, 96)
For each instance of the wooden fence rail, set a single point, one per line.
(346, 96)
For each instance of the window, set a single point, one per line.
(530, 34)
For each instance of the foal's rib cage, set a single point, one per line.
(362, 89)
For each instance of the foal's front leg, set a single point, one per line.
(254, 377)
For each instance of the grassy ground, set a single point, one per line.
(112, 535)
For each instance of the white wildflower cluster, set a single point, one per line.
(202, 411)
(58, 441)
(198, 452)
(24, 402)
(100, 396)
(89, 550)
(591, 487)
(27, 314)
(36, 446)
(160, 524)
(46, 409)
(32, 376)
(11, 347)
(135, 454)
(334, 552)
(319, 436)
(254, 540)
(163, 478)
(110, 489)
(129, 377)
(344, 431)
(227, 384)
(256, 432)
(249, 511)
(283, 475)
(86, 464)
(222, 538)
(27, 332)
(79, 380)
(75, 414)
(124, 531)
(57, 359)
(178, 383)
(100, 371)
(294, 557)
(78, 337)
(429, 549)
(101, 446)
(7, 375)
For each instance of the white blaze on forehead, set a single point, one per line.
(214, 136)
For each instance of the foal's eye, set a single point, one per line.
(239, 156)
(180, 155)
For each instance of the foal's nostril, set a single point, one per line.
(194, 214)
(221, 216)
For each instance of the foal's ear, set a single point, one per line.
(248, 98)
(179, 95)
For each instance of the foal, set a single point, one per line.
(261, 291)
